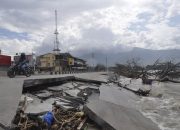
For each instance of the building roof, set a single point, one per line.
(66, 54)
(5, 55)
(79, 59)
(45, 54)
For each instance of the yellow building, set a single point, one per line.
(48, 62)
(59, 62)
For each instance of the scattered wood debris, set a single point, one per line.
(66, 114)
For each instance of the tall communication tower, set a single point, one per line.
(56, 42)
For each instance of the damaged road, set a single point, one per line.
(44, 105)
(71, 103)
(115, 117)
(9, 100)
(40, 84)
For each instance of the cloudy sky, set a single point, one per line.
(28, 25)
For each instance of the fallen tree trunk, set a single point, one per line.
(166, 79)
(138, 92)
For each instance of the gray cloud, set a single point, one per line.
(106, 25)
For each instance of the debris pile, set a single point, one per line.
(55, 108)
(138, 92)
(57, 119)
(159, 71)
(80, 104)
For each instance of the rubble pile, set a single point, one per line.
(58, 119)
(81, 104)
(55, 108)
(113, 79)
(68, 120)
(159, 71)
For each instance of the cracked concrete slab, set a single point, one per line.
(115, 117)
(10, 95)
(118, 96)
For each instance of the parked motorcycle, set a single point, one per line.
(16, 70)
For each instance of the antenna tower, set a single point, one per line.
(56, 42)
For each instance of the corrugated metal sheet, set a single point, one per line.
(5, 60)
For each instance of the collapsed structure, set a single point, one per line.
(73, 103)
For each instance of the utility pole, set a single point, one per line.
(34, 61)
(93, 61)
(106, 64)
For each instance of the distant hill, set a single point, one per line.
(146, 56)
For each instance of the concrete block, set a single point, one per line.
(114, 117)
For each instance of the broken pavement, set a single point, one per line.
(71, 93)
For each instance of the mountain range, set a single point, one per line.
(146, 56)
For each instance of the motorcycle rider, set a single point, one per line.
(22, 62)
